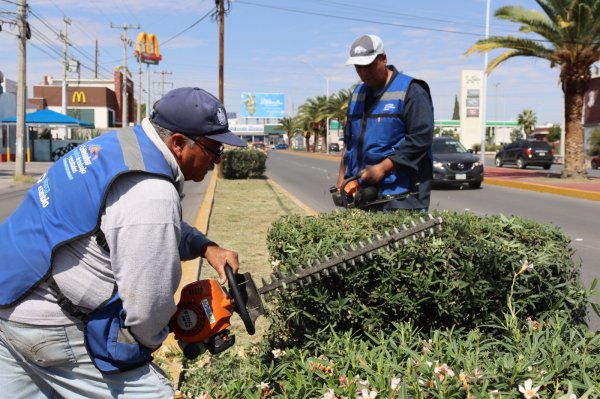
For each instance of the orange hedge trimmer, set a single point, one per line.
(202, 318)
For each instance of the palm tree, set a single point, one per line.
(312, 117)
(289, 125)
(570, 31)
(527, 120)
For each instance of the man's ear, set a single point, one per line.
(176, 143)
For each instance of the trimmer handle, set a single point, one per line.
(239, 301)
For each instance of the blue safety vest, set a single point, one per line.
(374, 134)
(66, 204)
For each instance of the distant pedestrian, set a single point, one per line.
(91, 260)
(389, 130)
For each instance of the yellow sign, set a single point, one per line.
(79, 97)
(147, 48)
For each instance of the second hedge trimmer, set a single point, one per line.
(202, 318)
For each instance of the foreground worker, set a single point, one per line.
(91, 260)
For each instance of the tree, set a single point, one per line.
(456, 113)
(527, 120)
(569, 33)
(515, 135)
(553, 133)
(290, 126)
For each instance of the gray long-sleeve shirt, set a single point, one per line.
(147, 240)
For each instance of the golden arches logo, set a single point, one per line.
(79, 97)
(147, 48)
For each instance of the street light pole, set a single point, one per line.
(484, 94)
(327, 131)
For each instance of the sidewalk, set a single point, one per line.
(7, 173)
(525, 179)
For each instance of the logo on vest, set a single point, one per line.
(389, 107)
(79, 159)
(43, 191)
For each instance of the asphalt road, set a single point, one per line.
(309, 180)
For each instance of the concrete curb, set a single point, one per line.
(304, 207)
(568, 192)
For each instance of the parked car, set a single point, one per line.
(453, 164)
(334, 147)
(595, 162)
(260, 146)
(281, 146)
(524, 153)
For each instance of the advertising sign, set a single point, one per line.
(263, 105)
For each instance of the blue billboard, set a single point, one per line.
(263, 105)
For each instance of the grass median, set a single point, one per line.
(242, 213)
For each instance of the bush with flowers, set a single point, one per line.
(486, 308)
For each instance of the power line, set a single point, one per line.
(359, 19)
(188, 28)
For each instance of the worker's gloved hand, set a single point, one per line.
(218, 257)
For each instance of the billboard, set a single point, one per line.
(262, 105)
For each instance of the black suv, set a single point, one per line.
(453, 164)
(524, 153)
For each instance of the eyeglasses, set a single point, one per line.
(217, 154)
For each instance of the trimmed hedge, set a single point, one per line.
(460, 277)
(243, 164)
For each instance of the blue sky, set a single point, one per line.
(295, 47)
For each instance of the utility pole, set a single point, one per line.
(162, 81)
(64, 37)
(221, 4)
(139, 104)
(125, 105)
(21, 91)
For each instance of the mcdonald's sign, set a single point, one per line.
(79, 97)
(146, 48)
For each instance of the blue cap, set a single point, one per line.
(195, 112)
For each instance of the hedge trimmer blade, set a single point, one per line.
(280, 281)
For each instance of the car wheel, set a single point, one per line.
(475, 185)
(594, 165)
(520, 163)
(547, 166)
(498, 162)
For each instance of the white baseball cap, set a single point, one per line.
(365, 49)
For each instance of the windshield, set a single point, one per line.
(448, 147)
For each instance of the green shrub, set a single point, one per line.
(243, 164)
(561, 359)
(460, 277)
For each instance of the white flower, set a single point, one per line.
(263, 385)
(394, 384)
(528, 390)
(442, 371)
(329, 395)
(365, 394)
(275, 262)
(277, 353)
(495, 393)
(526, 266)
